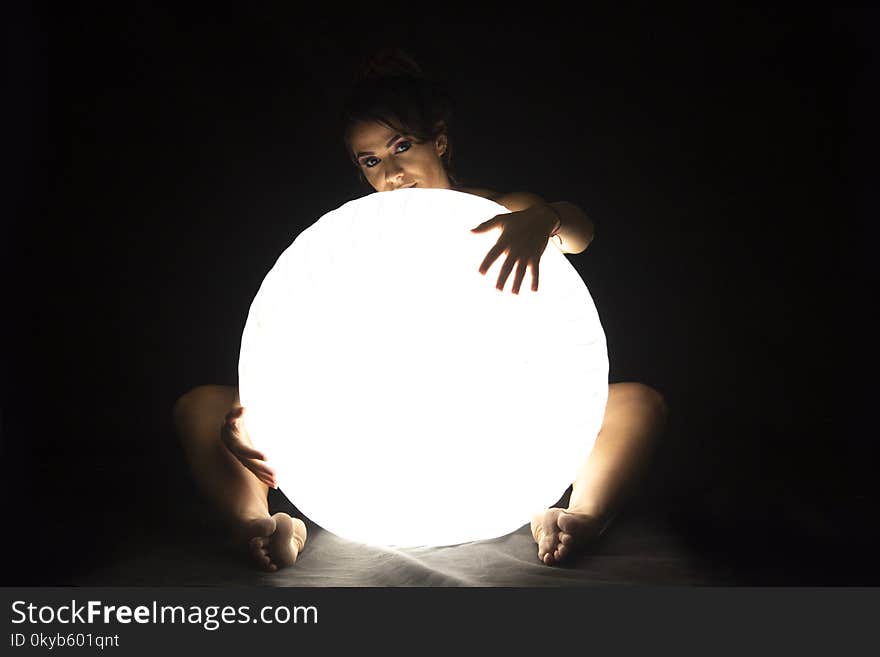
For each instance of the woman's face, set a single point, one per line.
(390, 160)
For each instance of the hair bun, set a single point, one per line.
(392, 62)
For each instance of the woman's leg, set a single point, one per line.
(237, 495)
(635, 416)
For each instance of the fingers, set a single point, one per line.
(506, 268)
(235, 413)
(492, 256)
(520, 274)
(521, 262)
(521, 266)
(261, 471)
(231, 438)
(231, 435)
(486, 225)
(251, 458)
(243, 451)
(256, 464)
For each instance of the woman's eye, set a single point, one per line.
(399, 147)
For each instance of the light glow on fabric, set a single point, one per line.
(400, 397)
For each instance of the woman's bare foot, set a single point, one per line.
(560, 533)
(275, 542)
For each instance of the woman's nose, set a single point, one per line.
(393, 174)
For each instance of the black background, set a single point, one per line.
(162, 159)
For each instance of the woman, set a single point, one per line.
(397, 126)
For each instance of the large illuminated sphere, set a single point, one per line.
(401, 398)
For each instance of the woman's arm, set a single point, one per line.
(576, 229)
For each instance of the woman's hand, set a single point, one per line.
(237, 440)
(524, 236)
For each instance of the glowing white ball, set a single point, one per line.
(400, 397)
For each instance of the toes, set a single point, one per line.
(288, 539)
(544, 546)
(559, 533)
(549, 536)
(259, 549)
(257, 544)
(270, 534)
(545, 531)
(546, 551)
(259, 553)
(547, 545)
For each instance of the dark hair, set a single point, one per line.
(394, 91)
